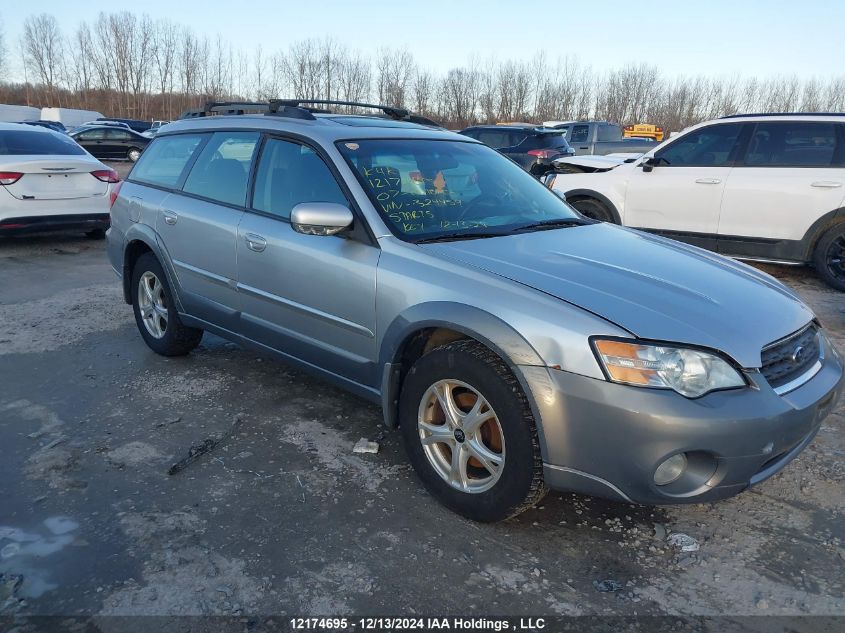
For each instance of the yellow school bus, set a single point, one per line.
(645, 130)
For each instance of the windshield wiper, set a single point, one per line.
(551, 224)
(453, 237)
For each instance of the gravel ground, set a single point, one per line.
(282, 518)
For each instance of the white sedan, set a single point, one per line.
(48, 182)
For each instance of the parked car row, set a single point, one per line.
(763, 187)
(517, 345)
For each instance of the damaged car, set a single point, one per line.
(516, 344)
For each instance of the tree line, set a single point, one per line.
(129, 65)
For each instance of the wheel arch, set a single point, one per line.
(576, 194)
(141, 239)
(425, 326)
(817, 229)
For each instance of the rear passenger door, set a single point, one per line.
(199, 225)
(791, 174)
(310, 297)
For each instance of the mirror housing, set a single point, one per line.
(649, 164)
(320, 218)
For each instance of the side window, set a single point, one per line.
(92, 135)
(792, 144)
(493, 138)
(164, 160)
(222, 169)
(711, 146)
(290, 173)
(117, 135)
(580, 133)
(609, 132)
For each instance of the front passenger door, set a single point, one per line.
(310, 297)
(682, 194)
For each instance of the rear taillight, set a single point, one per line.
(106, 175)
(113, 193)
(630, 128)
(659, 129)
(9, 177)
(543, 153)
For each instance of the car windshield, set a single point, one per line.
(27, 142)
(425, 189)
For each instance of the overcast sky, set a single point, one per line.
(713, 37)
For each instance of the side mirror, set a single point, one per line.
(320, 218)
(649, 164)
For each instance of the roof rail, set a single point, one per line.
(225, 107)
(292, 108)
(391, 111)
(755, 114)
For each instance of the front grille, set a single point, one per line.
(788, 358)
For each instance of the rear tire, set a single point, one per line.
(133, 154)
(593, 209)
(155, 311)
(829, 257)
(487, 471)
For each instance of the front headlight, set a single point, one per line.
(690, 372)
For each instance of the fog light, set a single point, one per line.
(671, 469)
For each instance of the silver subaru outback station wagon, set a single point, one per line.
(516, 344)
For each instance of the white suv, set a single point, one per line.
(765, 187)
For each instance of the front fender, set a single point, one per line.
(475, 323)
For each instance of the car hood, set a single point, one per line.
(653, 287)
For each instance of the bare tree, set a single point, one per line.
(42, 47)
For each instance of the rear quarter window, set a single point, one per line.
(164, 160)
(27, 142)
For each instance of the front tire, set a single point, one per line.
(155, 311)
(593, 209)
(470, 434)
(829, 257)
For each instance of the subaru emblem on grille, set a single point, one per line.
(798, 355)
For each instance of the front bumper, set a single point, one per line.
(605, 439)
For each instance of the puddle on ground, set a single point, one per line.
(22, 552)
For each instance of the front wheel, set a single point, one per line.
(133, 154)
(593, 209)
(155, 312)
(829, 257)
(469, 432)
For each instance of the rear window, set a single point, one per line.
(792, 144)
(164, 160)
(27, 142)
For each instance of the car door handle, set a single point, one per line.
(826, 184)
(708, 181)
(170, 217)
(255, 242)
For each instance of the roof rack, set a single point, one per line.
(294, 109)
(756, 114)
(391, 111)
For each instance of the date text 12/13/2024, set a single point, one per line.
(416, 624)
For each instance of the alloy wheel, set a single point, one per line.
(461, 436)
(153, 304)
(835, 259)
